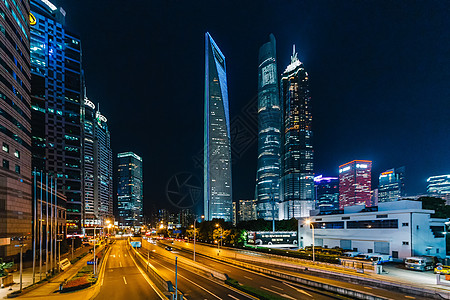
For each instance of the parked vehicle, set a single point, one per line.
(380, 259)
(419, 263)
(365, 256)
(351, 253)
(442, 269)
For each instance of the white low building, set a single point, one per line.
(400, 229)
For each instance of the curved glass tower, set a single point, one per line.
(269, 123)
(297, 177)
(217, 149)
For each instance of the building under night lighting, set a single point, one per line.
(297, 177)
(56, 103)
(355, 183)
(217, 147)
(15, 128)
(327, 193)
(130, 189)
(269, 138)
(439, 185)
(391, 185)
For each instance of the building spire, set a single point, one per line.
(294, 55)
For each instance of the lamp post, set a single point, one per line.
(221, 233)
(21, 245)
(195, 221)
(308, 222)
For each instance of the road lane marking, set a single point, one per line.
(226, 270)
(231, 296)
(367, 287)
(120, 264)
(298, 290)
(275, 292)
(248, 277)
(281, 289)
(410, 297)
(124, 280)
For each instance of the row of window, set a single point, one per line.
(367, 224)
(6, 166)
(5, 148)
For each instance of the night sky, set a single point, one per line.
(379, 74)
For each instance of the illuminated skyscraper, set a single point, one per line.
(269, 138)
(327, 193)
(56, 103)
(439, 185)
(130, 189)
(297, 177)
(355, 183)
(15, 128)
(391, 185)
(217, 147)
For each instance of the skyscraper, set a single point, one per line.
(247, 210)
(327, 193)
(391, 185)
(98, 190)
(297, 177)
(217, 146)
(355, 183)
(269, 137)
(439, 185)
(130, 189)
(56, 102)
(15, 127)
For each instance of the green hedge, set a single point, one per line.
(322, 257)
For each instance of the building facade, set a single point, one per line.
(327, 193)
(130, 189)
(400, 229)
(391, 185)
(98, 191)
(15, 128)
(217, 143)
(439, 185)
(56, 102)
(269, 136)
(297, 177)
(355, 183)
(247, 210)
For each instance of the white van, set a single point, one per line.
(380, 259)
(365, 256)
(350, 253)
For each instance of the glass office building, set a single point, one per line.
(297, 177)
(327, 193)
(217, 147)
(269, 137)
(15, 128)
(56, 103)
(439, 185)
(355, 183)
(391, 185)
(130, 189)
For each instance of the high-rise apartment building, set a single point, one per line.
(15, 127)
(130, 189)
(217, 144)
(297, 177)
(98, 191)
(269, 137)
(247, 210)
(391, 185)
(327, 193)
(355, 183)
(439, 185)
(56, 102)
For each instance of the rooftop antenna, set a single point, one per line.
(294, 55)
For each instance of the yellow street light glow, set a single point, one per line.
(307, 222)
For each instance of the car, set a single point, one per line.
(168, 248)
(441, 269)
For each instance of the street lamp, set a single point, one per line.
(195, 221)
(309, 223)
(221, 232)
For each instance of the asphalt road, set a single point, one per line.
(122, 279)
(236, 274)
(197, 287)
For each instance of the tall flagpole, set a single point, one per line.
(34, 229)
(46, 224)
(40, 235)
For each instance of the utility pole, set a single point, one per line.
(34, 228)
(46, 225)
(176, 277)
(40, 235)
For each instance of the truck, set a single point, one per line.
(380, 259)
(419, 263)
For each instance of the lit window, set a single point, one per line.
(17, 153)
(5, 147)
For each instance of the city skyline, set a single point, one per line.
(351, 59)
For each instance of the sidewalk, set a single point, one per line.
(27, 275)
